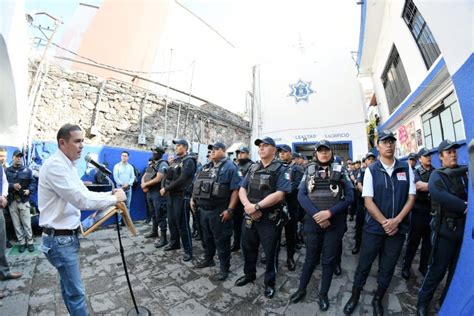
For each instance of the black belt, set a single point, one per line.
(60, 232)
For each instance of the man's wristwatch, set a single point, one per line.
(257, 207)
(230, 211)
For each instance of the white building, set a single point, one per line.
(302, 102)
(412, 80)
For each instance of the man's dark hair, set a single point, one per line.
(65, 131)
(125, 152)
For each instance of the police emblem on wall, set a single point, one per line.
(301, 90)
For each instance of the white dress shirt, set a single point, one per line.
(62, 194)
(4, 192)
(368, 189)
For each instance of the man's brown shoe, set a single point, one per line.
(12, 276)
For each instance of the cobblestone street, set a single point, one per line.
(166, 285)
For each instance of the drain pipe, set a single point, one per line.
(94, 129)
(166, 98)
(189, 100)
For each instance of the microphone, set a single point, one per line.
(99, 166)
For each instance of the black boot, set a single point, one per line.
(163, 240)
(353, 301)
(422, 310)
(377, 302)
(323, 302)
(298, 296)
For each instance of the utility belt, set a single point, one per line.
(61, 232)
(210, 207)
(271, 214)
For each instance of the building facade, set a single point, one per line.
(419, 56)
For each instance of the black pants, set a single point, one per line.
(157, 204)
(292, 226)
(419, 230)
(237, 218)
(266, 232)
(216, 235)
(388, 248)
(178, 220)
(446, 248)
(359, 224)
(325, 244)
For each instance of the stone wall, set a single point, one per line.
(111, 113)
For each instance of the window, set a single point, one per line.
(421, 33)
(444, 122)
(395, 81)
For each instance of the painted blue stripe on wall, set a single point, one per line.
(434, 71)
(363, 11)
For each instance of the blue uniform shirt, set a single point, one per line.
(228, 174)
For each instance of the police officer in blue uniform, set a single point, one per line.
(243, 164)
(296, 174)
(361, 211)
(325, 193)
(389, 195)
(420, 217)
(151, 185)
(261, 192)
(448, 187)
(179, 176)
(215, 193)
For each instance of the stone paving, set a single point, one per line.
(166, 285)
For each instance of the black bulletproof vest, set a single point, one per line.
(456, 181)
(423, 198)
(319, 188)
(206, 188)
(262, 181)
(174, 170)
(244, 168)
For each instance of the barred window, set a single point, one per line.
(421, 33)
(444, 122)
(395, 81)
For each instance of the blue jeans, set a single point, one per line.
(128, 202)
(63, 253)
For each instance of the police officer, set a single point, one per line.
(243, 164)
(178, 178)
(196, 234)
(215, 192)
(20, 188)
(389, 195)
(151, 185)
(448, 187)
(296, 174)
(261, 192)
(361, 211)
(412, 160)
(420, 217)
(325, 193)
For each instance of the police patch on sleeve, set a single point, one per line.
(239, 173)
(402, 176)
(287, 175)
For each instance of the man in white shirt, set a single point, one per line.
(61, 196)
(389, 194)
(124, 176)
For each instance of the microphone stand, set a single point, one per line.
(136, 310)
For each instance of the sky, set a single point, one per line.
(251, 32)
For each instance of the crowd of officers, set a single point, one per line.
(392, 202)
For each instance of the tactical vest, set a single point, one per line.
(245, 167)
(174, 171)
(321, 190)
(423, 198)
(206, 188)
(262, 181)
(152, 170)
(456, 185)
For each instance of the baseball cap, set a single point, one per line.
(446, 145)
(424, 152)
(369, 154)
(158, 149)
(219, 145)
(285, 148)
(413, 156)
(243, 149)
(385, 134)
(181, 142)
(322, 143)
(17, 153)
(265, 140)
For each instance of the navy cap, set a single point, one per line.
(369, 154)
(17, 153)
(295, 155)
(243, 149)
(446, 145)
(386, 134)
(424, 152)
(322, 143)
(181, 142)
(219, 145)
(357, 161)
(284, 147)
(265, 140)
(413, 156)
(193, 154)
